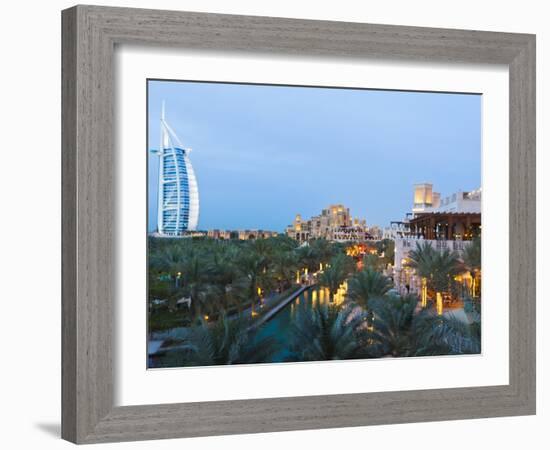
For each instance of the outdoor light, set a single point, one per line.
(439, 304)
(424, 292)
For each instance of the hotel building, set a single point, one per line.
(178, 193)
(334, 224)
(455, 217)
(443, 223)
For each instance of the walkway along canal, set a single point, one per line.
(276, 323)
(270, 314)
(279, 324)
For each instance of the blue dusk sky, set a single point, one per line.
(262, 154)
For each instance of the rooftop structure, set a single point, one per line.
(427, 201)
(424, 197)
(456, 216)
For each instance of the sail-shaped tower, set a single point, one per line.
(178, 192)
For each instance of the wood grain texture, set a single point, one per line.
(90, 34)
(68, 227)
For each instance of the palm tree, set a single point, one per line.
(373, 262)
(225, 275)
(327, 332)
(168, 259)
(283, 243)
(308, 257)
(237, 294)
(331, 278)
(422, 259)
(323, 250)
(446, 335)
(446, 266)
(262, 248)
(283, 268)
(335, 274)
(227, 341)
(367, 284)
(398, 331)
(252, 268)
(195, 283)
(386, 248)
(436, 267)
(391, 331)
(471, 258)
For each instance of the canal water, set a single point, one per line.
(280, 326)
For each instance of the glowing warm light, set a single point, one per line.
(259, 292)
(297, 276)
(339, 296)
(305, 271)
(439, 303)
(320, 267)
(424, 292)
(206, 317)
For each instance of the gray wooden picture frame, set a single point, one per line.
(90, 34)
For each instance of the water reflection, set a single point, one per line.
(280, 326)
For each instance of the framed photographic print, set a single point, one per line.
(278, 224)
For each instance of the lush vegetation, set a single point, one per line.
(440, 268)
(222, 342)
(230, 282)
(326, 332)
(227, 277)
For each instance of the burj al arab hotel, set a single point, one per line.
(178, 192)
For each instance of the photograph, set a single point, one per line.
(290, 224)
(258, 225)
